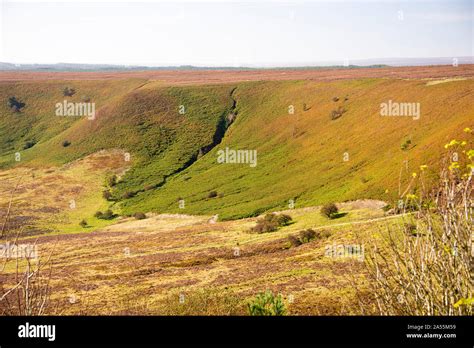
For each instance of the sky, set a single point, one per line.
(232, 33)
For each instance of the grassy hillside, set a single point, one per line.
(306, 156)
(301, 156)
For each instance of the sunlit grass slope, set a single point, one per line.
(303, 156)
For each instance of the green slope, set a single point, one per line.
(300, 156)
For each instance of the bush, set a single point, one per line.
(212, 194)
(66, 143)
(263, 226)
(28, 144)
(107, 215)
(98, 214)
(128, 194)
(335, 99)
(112, 180)
(15, 104)
(69, 92)
(294, 241)
(139, 216)
(271, 222)
(335, 114)
(329, 210)
(266, 304)
(107, 195)
(83, 223)
(405, 145)
(432, 272)
(307, 235)
(283, 219)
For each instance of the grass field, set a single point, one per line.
(142, 267)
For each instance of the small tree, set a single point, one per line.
(83, 223)
(329, 210)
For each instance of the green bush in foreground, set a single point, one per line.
(267, 304)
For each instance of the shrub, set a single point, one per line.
(294, 241)
(212, 194)
(267, 304)
(307, 235)
(128, 194)
(107, 215)
(83, 223)
(335, 99)
(335, 114)
(329, 210)
(66, 143)
(112, 180)
(283, 219)
(107, 195)
(263, 226)
(15, 104)
(139, 216)
(405, 145)
(28, 144)
(69, 92)
(271, 222)
(431, 274)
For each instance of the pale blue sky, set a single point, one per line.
(222, 33)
